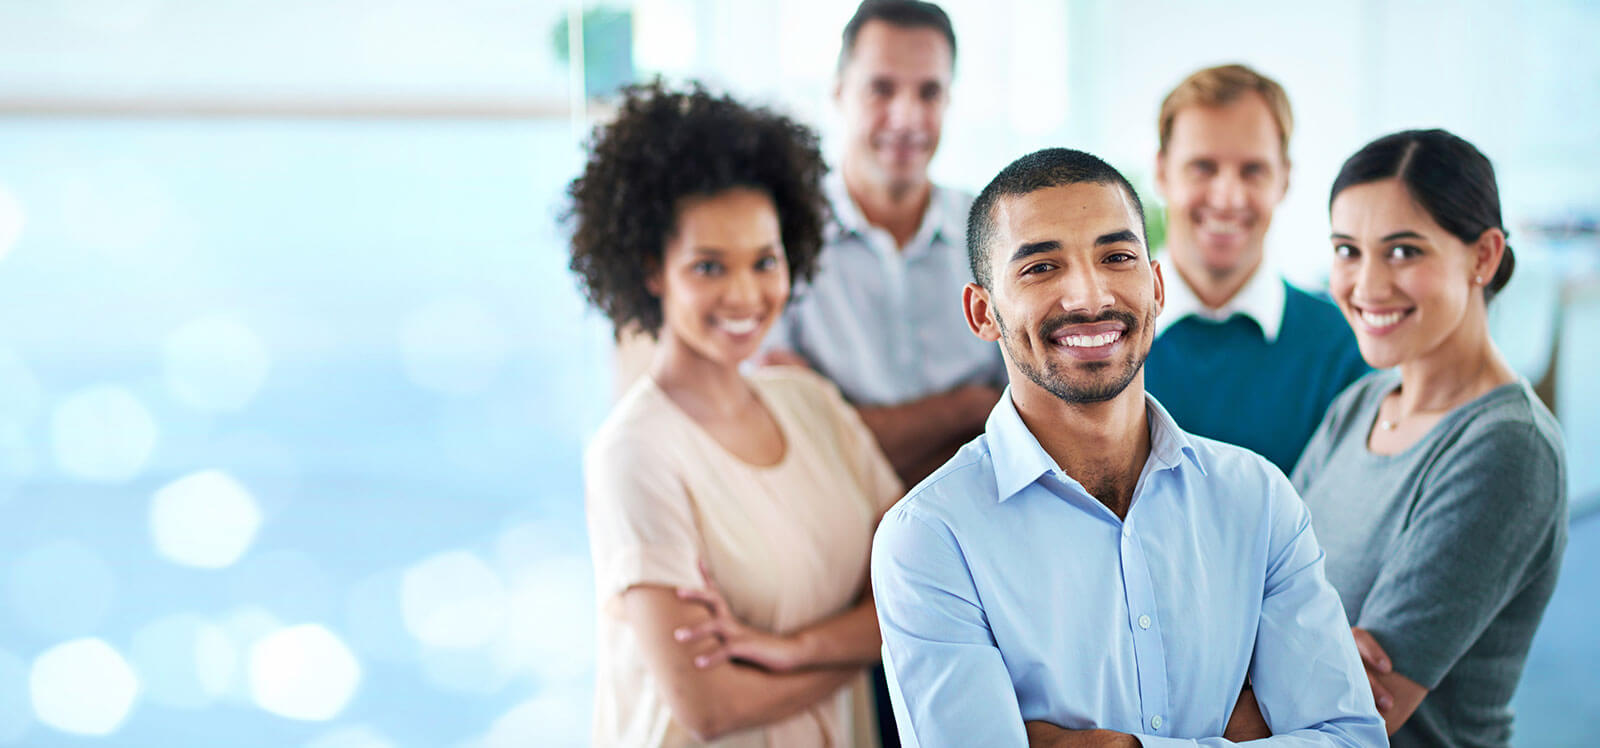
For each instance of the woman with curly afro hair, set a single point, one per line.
(730, 514)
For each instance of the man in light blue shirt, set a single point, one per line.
(1085, 573)
(882, 316)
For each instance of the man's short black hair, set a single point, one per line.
(1051, 167)
(905, 14)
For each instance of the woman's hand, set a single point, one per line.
(735, 639)
(1376, 661)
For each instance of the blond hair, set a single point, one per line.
(1218, 86)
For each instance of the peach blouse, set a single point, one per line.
(787, 544)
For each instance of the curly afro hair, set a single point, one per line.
(667, 145)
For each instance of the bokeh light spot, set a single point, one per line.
(453, 600)
(82, 686)
(102, 434)
(303, 672)
(204, 519)
(456, 347)
(215, 364)
(185, 661)
(62, 588)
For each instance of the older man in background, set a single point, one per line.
(1240, 354)
(882, 318)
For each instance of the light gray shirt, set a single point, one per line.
(886, 324)
(1447, 552)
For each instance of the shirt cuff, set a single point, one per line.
(1157, 741)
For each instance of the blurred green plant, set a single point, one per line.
(1155, 214)
(607, 49)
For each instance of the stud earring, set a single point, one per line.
(1478, 279)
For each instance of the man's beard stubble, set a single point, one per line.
(1054, 381)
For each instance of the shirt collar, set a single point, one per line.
(942, 219)
(1019, 460)
(1262, 299)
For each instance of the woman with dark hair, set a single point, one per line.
(1437, 485)
(730, 514)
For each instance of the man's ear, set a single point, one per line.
(980, 313)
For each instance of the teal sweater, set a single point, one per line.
(1225, 381)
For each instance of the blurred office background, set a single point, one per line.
(294, 382)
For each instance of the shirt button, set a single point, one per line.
(1144, 623)
(1125, 531)
(1155, 722)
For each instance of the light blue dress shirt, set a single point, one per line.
(887, 324)
(1007, 593)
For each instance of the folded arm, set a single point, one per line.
(1398, 696)
(724, 697)
(1047, 735)
(847, 639)
(947, 680)
(1491, 520)
(1306, 676)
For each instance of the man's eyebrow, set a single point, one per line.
(1117, 237)
(1033, 248)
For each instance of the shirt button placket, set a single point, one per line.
(899, 319)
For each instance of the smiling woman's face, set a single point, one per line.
(1405, 285)
(724, 278)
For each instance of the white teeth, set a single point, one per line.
(1381, 320)
(1221, 227)
(738, 326)
(1091, 341)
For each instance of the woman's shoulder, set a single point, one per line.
(1508, 444)
(1509, 417)
(639, 421)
